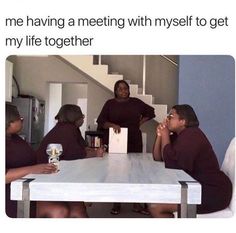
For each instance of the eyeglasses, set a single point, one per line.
(20, 118)
(170, 116)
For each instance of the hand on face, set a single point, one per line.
(174, 122)
(162, 130)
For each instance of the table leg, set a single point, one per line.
(185, 210)
(23, 206)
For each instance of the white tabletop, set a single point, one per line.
(114, 178)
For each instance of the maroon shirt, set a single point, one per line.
(69, 136)
(18, 154)
(192, 152)
(126, 114)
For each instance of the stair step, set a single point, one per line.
(145, 98)
(115, 76)
(160, 111)
(78, 60)
(85, 63)
(133, 89)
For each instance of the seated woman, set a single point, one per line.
(21, 161)
(66, 132)
(189, 149)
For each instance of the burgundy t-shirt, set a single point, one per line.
(69, 136)
(126, 114)
(18, 154)
(192, 152)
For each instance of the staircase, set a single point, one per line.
(100, 74)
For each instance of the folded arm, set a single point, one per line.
(17, 173)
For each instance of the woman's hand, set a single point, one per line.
(44, 168)
(162, 130)
(116, 128)
(158, 130)
(16, 173)
(164, 133)
(100, 152)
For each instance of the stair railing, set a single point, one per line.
(99, 59)
(144, 74)
(170, 60)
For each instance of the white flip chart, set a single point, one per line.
(118, 142)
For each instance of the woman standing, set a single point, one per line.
(125, 111)
(189, 149)
(20, 161)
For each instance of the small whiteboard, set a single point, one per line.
(118, 142)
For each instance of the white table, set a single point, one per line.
(134, 178)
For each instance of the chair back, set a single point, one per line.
(228, 167)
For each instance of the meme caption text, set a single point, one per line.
(60, 24)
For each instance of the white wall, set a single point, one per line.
(83, 103)
(54, 104)
(8, 80)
